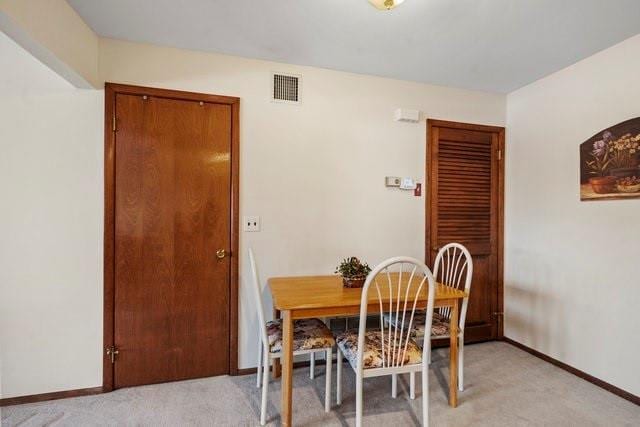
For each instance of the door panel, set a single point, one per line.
(172, 212)
(464, 205)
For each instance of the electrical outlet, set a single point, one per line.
(251, 223)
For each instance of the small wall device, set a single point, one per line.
(392, 181)
(407, 184)
(405, 115)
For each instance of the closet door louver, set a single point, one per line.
(465, 189)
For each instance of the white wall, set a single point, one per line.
(313, 172)
(51, 229)
(572, 268)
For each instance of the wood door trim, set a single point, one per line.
(171, 94)
(431, 123)
(465, 126)
(501, 144)
(111, 90)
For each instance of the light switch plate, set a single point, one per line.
(251, 223)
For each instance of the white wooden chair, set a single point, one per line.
(390, 350)
(310, 336)
(453, 267)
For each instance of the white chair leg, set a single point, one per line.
(265, 390)
(327, 387)
(428, 347)
(394, 385)
(259, 370)
(312, 366)
(461, 364)
(359, 392)
(425, 397)
(412, 385)
(339, 377)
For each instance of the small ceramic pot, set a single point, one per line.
(603, 184)
(353, 282)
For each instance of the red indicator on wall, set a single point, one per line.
(418, 191)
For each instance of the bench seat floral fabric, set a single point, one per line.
(439, 328)
(307, 334)
(372, 358)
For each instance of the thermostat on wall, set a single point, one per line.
(408, 184)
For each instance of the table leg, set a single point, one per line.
(453, 356)
(276, 362)
(287, 367)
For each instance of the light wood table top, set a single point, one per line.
(323, 292)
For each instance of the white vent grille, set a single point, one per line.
(286, 88)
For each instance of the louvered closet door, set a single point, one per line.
(464, 205)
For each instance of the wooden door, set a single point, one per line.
(172, 207)
(464, 204)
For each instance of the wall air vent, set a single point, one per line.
(286, 88)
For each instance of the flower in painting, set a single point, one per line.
(607, 136)
(623, 150)
(599, 148)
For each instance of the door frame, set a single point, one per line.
(110, 92)
(499, 313)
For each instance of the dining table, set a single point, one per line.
(303, 297)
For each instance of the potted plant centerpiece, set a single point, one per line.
(353, 272)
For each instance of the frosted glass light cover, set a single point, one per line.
(385, 4)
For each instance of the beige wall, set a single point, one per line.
(55, 34)
(572, 268)
(315, 172)
(50, 227)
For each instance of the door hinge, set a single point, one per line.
(113, 126)
(498, 314)
(499, 154)
(112, 352)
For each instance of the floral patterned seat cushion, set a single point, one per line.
(439, 326)
(373, 356)
(307, 334)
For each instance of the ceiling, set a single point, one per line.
(491, 45)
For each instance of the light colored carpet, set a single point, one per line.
(504, 387)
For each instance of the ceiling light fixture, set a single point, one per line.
(385, 4)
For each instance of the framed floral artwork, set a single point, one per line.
(610, 163)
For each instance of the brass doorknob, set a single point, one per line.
(221, 253)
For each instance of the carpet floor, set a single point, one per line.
(504, 387)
